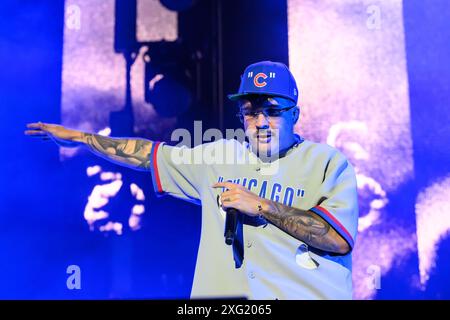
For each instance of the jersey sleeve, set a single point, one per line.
(174, 172)
(338, 198)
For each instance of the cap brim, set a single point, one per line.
(238, 96)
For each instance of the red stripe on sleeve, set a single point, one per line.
(155, 167)
(329, 215)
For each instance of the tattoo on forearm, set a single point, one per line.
(133, 153)
(305, 226)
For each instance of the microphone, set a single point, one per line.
(231, 220)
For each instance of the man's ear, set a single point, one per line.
(296, 114)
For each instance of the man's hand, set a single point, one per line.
(61, 135)
(241, 198)
(302, 225)
(133, 153)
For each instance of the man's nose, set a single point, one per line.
(261, 121)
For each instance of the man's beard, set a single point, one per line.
(265, 150)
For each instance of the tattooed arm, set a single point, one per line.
(305, 226)
(133, 153)
(130, 152)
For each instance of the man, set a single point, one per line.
(296, 224)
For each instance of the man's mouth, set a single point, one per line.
(264, 137)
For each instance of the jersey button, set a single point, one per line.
(249, 244)
(251, 275)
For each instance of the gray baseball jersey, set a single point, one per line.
(311, 176)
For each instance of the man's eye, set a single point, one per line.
(273, 112)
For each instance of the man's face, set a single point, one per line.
(269, 123)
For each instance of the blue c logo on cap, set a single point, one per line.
(256, 80)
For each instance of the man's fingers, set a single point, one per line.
(40, 125)
(228, 185)
(222, 185)
(226, 196)
(228, 202)
(35, 133)
(35, 125)
(227, 199)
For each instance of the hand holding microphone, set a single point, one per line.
(231, 221)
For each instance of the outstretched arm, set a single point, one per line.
(130, 152)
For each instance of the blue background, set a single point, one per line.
(41, 229)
